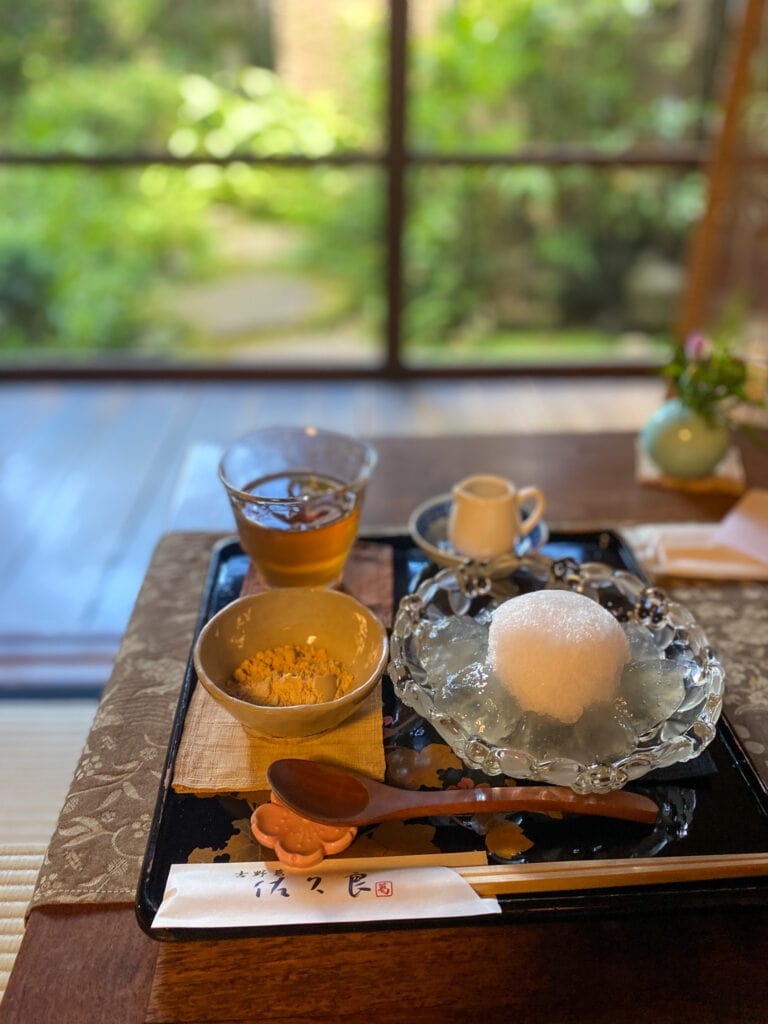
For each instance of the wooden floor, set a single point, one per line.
(91, 475)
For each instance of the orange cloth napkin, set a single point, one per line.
(691, 550)
(216, 755)
(734, 549)
(745, 528)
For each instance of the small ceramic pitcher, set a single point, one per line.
(486, 518)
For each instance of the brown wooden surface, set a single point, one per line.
(79, 964)
(117, 462)
(588, 479)
(648, 968)
(88, 965)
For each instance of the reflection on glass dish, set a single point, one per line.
(665, 711)
(428, 526)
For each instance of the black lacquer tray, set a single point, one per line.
(715, 804)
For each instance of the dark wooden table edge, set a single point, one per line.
(66, 950)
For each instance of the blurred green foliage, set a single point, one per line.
(487, 249)
(86, 246)
(86, 249)
(90, 109)
(496, 248)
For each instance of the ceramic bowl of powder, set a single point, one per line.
(291, 662)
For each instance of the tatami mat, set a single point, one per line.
(19, 865)
(40, 744)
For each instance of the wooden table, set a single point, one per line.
(84, 964)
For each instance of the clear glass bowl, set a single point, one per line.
(677, 638)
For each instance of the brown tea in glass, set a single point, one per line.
(296, 494)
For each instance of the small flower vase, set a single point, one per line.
(682, 443)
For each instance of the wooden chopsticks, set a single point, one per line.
(508, 879)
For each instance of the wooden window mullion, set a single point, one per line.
(395, 166)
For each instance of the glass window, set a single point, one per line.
(230, 263)
(215, 184)
(158, 231)
(90, 77)
(541, 265)
(493, 76)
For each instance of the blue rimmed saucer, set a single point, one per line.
(428, 526)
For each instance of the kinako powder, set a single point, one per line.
(289, 675)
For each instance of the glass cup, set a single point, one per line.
(296, 493)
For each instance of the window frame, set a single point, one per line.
(395, 159)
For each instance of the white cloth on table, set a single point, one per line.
(736, 548)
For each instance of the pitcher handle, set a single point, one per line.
(531, 520)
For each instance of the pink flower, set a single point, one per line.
(698, 347)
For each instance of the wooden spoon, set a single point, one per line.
(334, 796)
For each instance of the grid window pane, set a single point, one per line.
(234, 263)
(492, 76)
(538, 265)
(266, 77)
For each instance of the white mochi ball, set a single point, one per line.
(557, 652)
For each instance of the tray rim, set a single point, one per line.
(748, 891)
